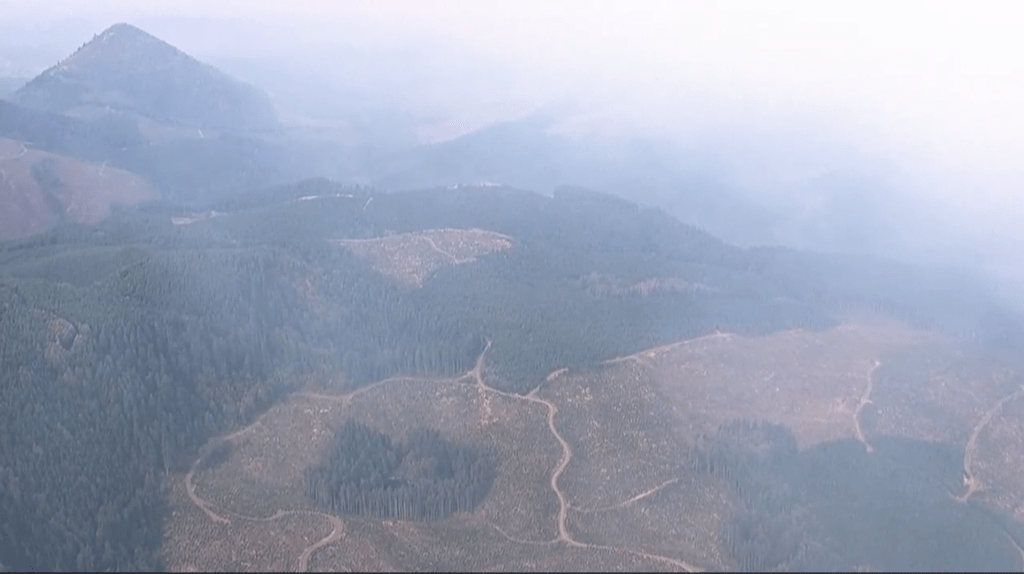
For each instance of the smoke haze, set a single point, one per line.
(911, 110)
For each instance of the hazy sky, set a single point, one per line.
(931, 74)
(939, 86)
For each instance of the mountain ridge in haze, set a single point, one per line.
(132, 101)
(125, 69)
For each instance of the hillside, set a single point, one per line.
(214, 358)
(9, 85)
(136, 103)
(40, 189)
(530, 153)
(153, 360)
(124, 69)
(182, 168)
(96, 139)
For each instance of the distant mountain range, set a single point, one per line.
(197, 135)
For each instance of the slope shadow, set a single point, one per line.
(895, 508)
(835, 505)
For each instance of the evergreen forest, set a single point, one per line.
(127, 345)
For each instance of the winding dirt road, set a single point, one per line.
(865, 399)
(564, 535)
(453, 258)
(203, 505)
(476, 374)
(563, 500)
(971, 481)
(337, 532)
(563, 463)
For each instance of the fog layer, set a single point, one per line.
(878, 128)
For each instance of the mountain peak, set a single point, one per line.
(122, 44)
(125, 69)
(128, 35)
(125, 29)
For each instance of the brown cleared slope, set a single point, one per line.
(81, 191)
(594, 470)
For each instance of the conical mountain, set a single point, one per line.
(126, 70)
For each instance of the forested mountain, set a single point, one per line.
(124, 69)
(183, 169)
(531, 153)
(132, 101)
(96, 139)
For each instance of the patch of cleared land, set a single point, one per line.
(84, 193)
(594, 470)
(411, 258)
(812, 382)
